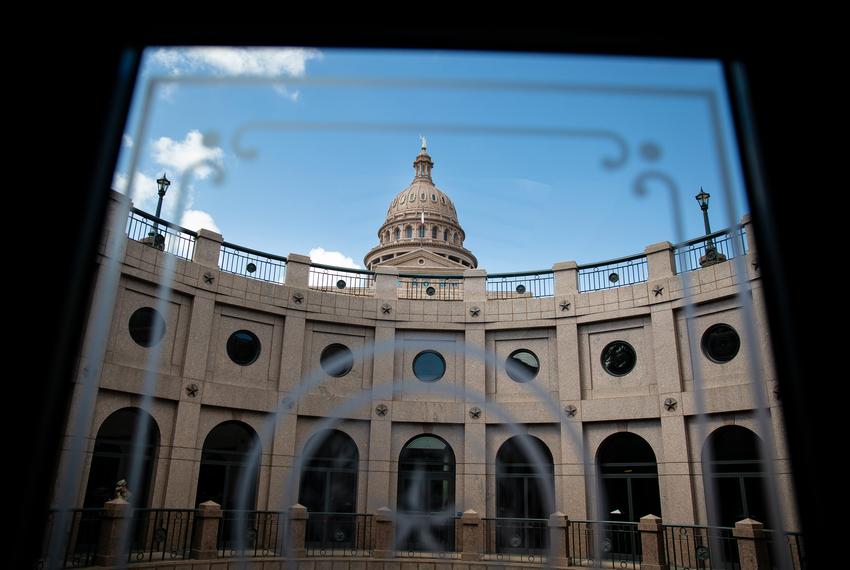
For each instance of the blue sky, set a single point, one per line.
(518, 141)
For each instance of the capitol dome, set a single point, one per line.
(421, 231)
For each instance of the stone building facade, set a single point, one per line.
(581, 385)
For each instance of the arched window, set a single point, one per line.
(434, 232)
(525, 489)
(731, 455)
(408, 232)
(628, 478)
(113, 450)
(226, 466)
(421, 231)
(455, 238)
(426, 494)
(446, 235)
(397, 234)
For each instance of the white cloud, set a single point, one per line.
(144, 189)
(335, 258)
(281, 90)
(196, 220)
(127, 141)
(322, 278)
(269, 62)
(180, 155)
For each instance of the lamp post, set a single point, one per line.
(159, 240)
(711, 256)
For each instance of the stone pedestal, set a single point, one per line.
(654, 556)
(297, 531)
(384, 533)
(114, 520)
(472, 544)
(205, 531)
(752, 547)
(559, 540)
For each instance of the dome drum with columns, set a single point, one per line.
(421, 232)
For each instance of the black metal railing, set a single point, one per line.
(612, 274)
(430, 287)
(509, 539)
(160, 534)
(160, 234)
(339, 534)
(604, 544)
(698, 547)
(247, 534)
(688, 254)
(77, 539)
(427, 536)
(331, 279)
(251, 263)
(528, 284)
(791, 543)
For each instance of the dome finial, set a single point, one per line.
(424, 142)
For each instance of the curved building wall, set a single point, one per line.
(199, 386)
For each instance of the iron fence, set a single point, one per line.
(791, 542)
(339, 534)
(689, 254)
(339, 280)
(699, 547)
(251, 263)
(77, 539)
(247, 534)
(430, 287)
(160, 534)
(612, 274)
(604, 544)
(427, 536)
(529, 284)
(511, 539)
(160, 234)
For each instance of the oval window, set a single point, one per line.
(429, 366)
(336, 360)
(522, 365)
(147, 327)
(618, 358)
(243, 347)
(721, 343)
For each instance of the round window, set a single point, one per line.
(243, 347)
(336, 360)
(721, 343)
(618, 358)
(147, 327)
(429, 366)
(522, 365)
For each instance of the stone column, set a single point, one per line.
(570, 483)
(472, 543)
(752, 547)
(652, 543)
(380, 429)
(559, 540)
(205, 531)
(475, 285)
(386, 282)
(207, 248)
(118, 208)
(566, 278)
(384, 533)
(474, 426)
(114, 521)
(297, 271)
(660, 260)
(297, 531)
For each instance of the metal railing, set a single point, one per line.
(160, 234)
(339, 534)
(619, 543)
(689, 253)
(792, 541)
(78, 538)
(251, 263)
(510, 539)
(332, 279)
(612, 274)
(247, 534)
(697, 547)
(528, 284)
(430, 287)
(160, 534)
(427, 536)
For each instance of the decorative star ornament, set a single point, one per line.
(658, 290)
(208, 278)
(565, 306)
(386, 308)
(298, 297)
(475, 311)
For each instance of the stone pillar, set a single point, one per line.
(114, 521)
(570, 488)
(380, 429)
(386, 282)
(475, 285)
(474, 421)
(652, 543)
(471, 536)
(747, 222)
(297, 271)
(118, 208)
(660, 260)
(384, 533)
(752, 547)
(205, 531)
(297, 531)
(207, 248)
(566, 278)
(559, 539)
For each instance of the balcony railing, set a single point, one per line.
(332, 279)
(528, 284)
(620, 544)
(339, 534)
(160, 234)
(612, 274)
(252, 264)
(77, 540)
(688, 254)
(519, 540)
(248, 534)
(160, 534)
(430, 287)
(427, 536)
(700, 547)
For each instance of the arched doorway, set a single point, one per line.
(738, 475)
(628, 476)
(112, 455)
(525, 489)
(426, 494)
(329, 489)
(224, 464)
